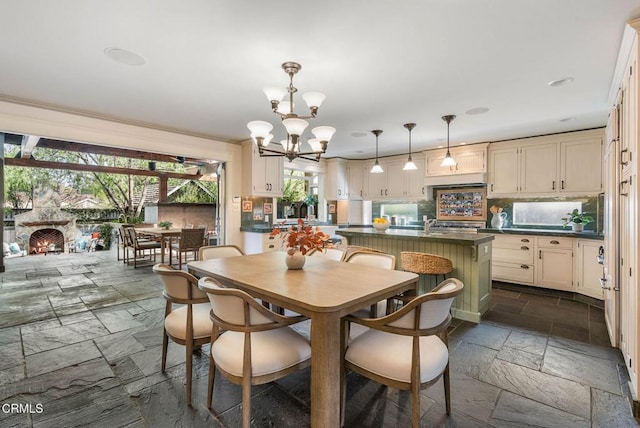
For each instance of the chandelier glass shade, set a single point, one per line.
(409, 165)
(376, 168)
(448, 159)
(295, 125)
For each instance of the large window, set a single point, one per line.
(542, 213)
(296, 199)
(407, 211)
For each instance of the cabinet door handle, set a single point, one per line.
(361, 193)
(423, 190)
(540, 254)
(524, 240)
(381, 192)
(492, 187)
(266, 186)
(339, 192)
(562, 185)
(386, 192)
(622, 161)
(554, 242)
(524, 248)
(622, 183)
(553, 185)
(524, 267)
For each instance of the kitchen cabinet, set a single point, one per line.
(581, 165)
(255, 243)
(261, 176)
(554, 265)
(513, 259)
(356, 180)
(394, 182)
(471, 159)
(568, 164)
(587, 269)
(336, 185)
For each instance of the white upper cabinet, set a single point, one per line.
(336, 180)
(538, 168)
(503, 171)
(394, 182)
(471, 159)
(581, 165)
(568, 164)
(261, 176)
(356, 180)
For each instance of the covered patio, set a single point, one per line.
(80, 345)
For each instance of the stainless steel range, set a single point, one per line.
(457, 226)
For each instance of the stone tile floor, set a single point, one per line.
(80, 345)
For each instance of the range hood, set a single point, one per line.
(479, 178)
(455, 180)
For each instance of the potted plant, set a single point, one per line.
(165, 224)
(577, 220)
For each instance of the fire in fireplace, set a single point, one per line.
(44, 241)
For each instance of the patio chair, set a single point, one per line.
(188, 325)
(190, 242)
(250, 344)
(407, 349)
(141, 247)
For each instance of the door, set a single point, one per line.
(503, 171)
(609, 281)
(538, 168)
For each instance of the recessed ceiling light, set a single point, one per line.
(477, 110)
(358, 134)
(463, 144)
(561, 82)
(124, 57)
(567, 119)
(440, 147)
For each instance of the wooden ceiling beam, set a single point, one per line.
(50, 143)
(32, 163)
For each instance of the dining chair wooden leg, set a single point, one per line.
(415, 404)
(246, 401)
(212, 373)
(445, 377)
(165, 339)
(189, 360)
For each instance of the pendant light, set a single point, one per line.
(448, 160)
(410, 166)
(376, 168)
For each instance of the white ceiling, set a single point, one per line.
(380, 63)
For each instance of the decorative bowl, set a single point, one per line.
(381, 227)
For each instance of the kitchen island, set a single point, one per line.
(470, 254)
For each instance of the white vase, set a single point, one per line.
(295, 261)
(498, 219)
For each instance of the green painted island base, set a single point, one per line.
(470, 255)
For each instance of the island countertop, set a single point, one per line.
(444, 237)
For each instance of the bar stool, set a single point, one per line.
(423, 264)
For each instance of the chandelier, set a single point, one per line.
(294, 124)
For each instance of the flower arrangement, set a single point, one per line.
(165, 224)
(495, 210)
(301, 237)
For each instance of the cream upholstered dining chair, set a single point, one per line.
(381, 260)
(190, 242)
(219, 252)
(337, 254)
(250, 344)
(188, 325)
(411, 345)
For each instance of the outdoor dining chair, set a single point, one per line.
(190, 241)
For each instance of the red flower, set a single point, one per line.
(301, 237)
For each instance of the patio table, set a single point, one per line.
(166, 236)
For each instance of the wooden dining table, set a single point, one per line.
(166, 236)
(325, 291)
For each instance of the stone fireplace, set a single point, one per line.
(45, 228)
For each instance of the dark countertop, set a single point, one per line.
(268, 229)
(446, 237)
(545, 232)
